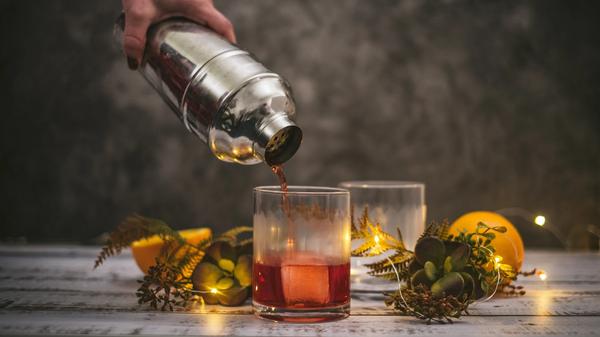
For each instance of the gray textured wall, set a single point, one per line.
(492, 104)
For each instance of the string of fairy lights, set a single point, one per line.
(537, 219)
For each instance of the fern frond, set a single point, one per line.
(231, 236)
(398, 258)
(391, 276)
(400, 239)
(134, 227)
(362, 250)
(385, 267)
(247, 241)
(189, 257)
(437, 229)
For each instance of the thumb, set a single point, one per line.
(134, 36)
(220, 24)
(210, 16)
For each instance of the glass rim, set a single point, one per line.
(300, 190)
(381, 184)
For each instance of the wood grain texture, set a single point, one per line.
(54, 290)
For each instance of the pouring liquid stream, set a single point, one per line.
(278, 170)
(285, 202)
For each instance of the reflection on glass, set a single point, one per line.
(394, 205)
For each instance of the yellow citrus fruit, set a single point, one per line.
(146, 251)
(508, 245)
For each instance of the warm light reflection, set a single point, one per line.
(540, 220)
(214, 324)
(497, 259)
(213, 290)
(542, 275)
(543, 302)
(376, 238)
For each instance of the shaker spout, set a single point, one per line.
(283, 138)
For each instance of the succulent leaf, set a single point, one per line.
(206, 275)
(430, 249)
(226, 265)
(224, 283)
(448, 264)
(233, 296)
(430, 271)
(414, 266)
(221, 250)
(460, 256)
(420, 277)
(469, 288)
(450, 284)
(243, 270)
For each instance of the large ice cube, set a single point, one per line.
(305, 280)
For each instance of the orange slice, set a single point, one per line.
(146, 251)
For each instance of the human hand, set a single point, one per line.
(140, 14)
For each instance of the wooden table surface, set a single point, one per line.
(48, 290)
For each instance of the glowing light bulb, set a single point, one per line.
(213, 290)
(540, 220)
(542, 275)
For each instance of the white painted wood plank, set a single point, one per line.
(177, 324)
(53, 290)
(549, 303)
(61, 278)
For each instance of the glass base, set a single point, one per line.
(309, 315)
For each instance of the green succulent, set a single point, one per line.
(224, 274)
(443, 268)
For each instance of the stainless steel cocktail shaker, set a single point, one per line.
(243, 111)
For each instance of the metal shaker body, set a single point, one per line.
(243, 111)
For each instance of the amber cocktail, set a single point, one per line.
(301, 270)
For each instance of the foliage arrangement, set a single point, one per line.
(443, 275)
(215, 270)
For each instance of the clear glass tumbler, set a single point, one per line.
(301, 269)
(392, 204)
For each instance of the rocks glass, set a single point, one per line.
(301, 267)
(393, 204)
